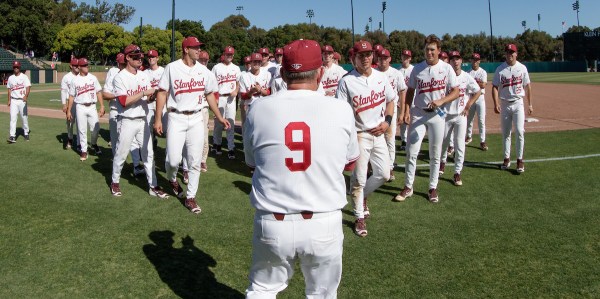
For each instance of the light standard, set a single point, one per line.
(491, 31)
(310, 14)
(371, 22)
(383, 5)
(576, 8)
(352, 10)
(239, 9)
(173, 32)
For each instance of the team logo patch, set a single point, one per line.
(364, 45)
(296, 66)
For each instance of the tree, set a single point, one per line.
(103, 12)
(159, 40)
(189, 28)
(574, 29)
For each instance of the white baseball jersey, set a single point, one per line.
(467, 86)
(187, 86)
(18, 85)
(368, 96)
(227, 77)
(331, 77)
(278, 85)
(263, 78)
(396, 79)
(299, 152)
(275, 71)
(510, 81)
(480, 76)
(431, 82)
(65, 85)
(84, 89)
(154, 76)
(110, 77)
(406, 73)
(128, 84)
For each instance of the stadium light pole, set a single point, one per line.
(383, 7)
(310, 14)
(576, 8)
(173, 32)
(491, 31)
(239, 9)
(352, 11)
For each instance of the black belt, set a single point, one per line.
(224, 94)
(305, 214)
(87, 104)
(183, 112)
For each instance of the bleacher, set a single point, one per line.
(7, 58)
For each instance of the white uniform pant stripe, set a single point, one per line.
(278, 244)
(479, 108)
(228, 109)
(455, 126)
(129, 130)
(513, 114)
(188, 131)
(18, 107)
(424, 122)
(87, 115)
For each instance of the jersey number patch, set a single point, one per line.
(303, 145)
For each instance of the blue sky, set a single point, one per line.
(437, 17)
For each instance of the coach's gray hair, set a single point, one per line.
(295, 77)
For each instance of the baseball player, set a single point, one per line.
(372, 99)
(511, 84)
(480, 76)
(18, 85)
(84, 92)
(376, 50)
(456, 121)
(255, 83)
(406, 69)
(398, 84)
(274, 68)
(444, 57)
(154, 73)
(247, 67)
(203, 58)
(188, 84)
(432, 84)
(295, 146)
(228, 79)
(336, 58)
(65, 84)
(333, 72)
(265, 58)
(132, 88)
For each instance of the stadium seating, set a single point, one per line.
(7, 58)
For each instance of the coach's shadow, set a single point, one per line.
(243, 186)
(185, 270)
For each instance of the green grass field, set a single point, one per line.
(501, 235)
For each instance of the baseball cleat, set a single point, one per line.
(186, 177)
(442, 168)
(506, 164)
(11, 139)
(483, 146)
(406, 193)
(216, 149)
(26, 137)
(366, 209)
(360, 227)
(231, 155)
(158, 192)
(520, 166)
(392, 176)
(468, 140)
(450, 150)
(97, 149)
(457, 180)
(70, 143)
(191, 204)
(433, 196)
(115, 189)
(139, 170)
(203, 167)
(177, 189)
(83, 156)
(403, 146)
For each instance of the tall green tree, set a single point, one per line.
(103, 12)
(159, 40)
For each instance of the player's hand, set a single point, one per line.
(407, 118)
(69, 116)
(8, 104)
(330, 93)
(466, 111)
(64, 108)
(380, 129)
(24, 99)
(497, 109)
(233, 94)
(101, 112)
(530, 110)
(158, 128)
(225, 123)
(400, 120)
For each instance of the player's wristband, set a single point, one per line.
(388, 120)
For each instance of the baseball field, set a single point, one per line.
(501, 234)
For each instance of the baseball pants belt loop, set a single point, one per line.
(305, 214)
(184, 112)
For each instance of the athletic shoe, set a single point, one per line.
(115, 189)
(506, 164)
(186, 177)
(11, 139)
(442, 168)
(433, 196)
(366, 209)
(406, 193)
(483, 146)
(203, 167)
(468, 140)
(450, 150)
(231, 155)
(392, 176)
(70, 143)
(191, 204)
(139, 170)
(109, 144)
(403, 146)
(520, 166)
(457, 180)
(177, 189)
(158, 192)
(26, 137)
(360, 227)
(216, 149)
(96, 149)
(83, 156)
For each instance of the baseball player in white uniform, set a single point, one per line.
(18, 85)
(480, 76)
(242, 106)
(397, 82)
(372, 99)
(510, 85)
(65, 84)
(299, 154)
(432, 84)
(132, 88)
(154, 73)
(333, 72)
(456, 120)
(228, 79)
(188, 84)
(85, 91)
(275, 67)
(255, 83)
(406, 70)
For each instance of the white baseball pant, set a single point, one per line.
(513, 113)
(185, 131)
(373, 150)
(228, 109)
(479, 108)
(390, 137)
(113, 125)
(131, 129)
(87, 115)
(455, 127)
(403, 132)
(424, 122)
(18, 107)
(276, 245)
(71, 123)
(184, 163)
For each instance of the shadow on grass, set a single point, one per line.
(243, 186)
(185, 270)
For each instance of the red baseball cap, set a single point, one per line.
(16, 64)
(384, 53)
(302, 56)
(511, 47)
(327, 48)
(476, 56)
(337, 56)
(407, 53)
(153, 53)
(263, 51)
(378, 48)
(454, 54)
(121, 58)
(248, 59)
(74, 62)
(362, 46)
(278, 51)
(203, 55)
(443, 55)
(229, 50)
(191, 41)
(82, 62)
(255, 57)
(133, 49)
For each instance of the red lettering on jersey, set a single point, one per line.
(303, 146)
(154, 83)
(17, 86)
(330, 83)
(181, 86)
(139, 89)
(431, 86)
(226, 78)
(85, 88)
(513, 80)
(362, 103)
